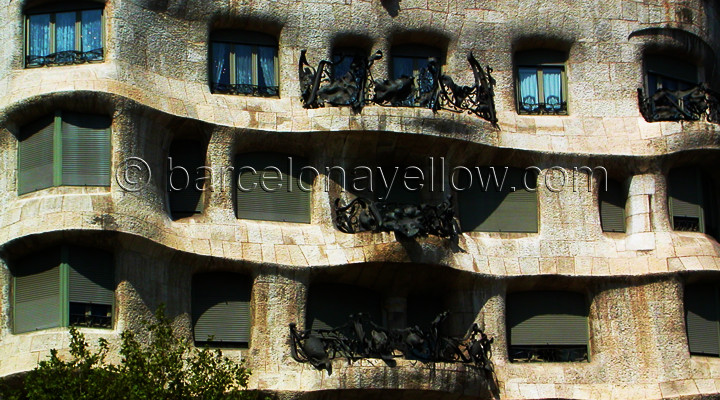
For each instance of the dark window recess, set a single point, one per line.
(500, 203)
(702, 317)
(68, 149)
(330, 305)
(612, 206)
(547, 326)
(186, 178)
(64, 36)
(244, 63)
(63, 286)
(686, 199)
(266, 195)
(221, 309)
(541, 82)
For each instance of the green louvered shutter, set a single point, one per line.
(35, 156)
(221, 307)
(330, 306)
(188, 154)
(37, 292)
(612, 207)
(547, 318)
(686, 205)
(504, 210)
(85, 150)
(91, 276)
(701, 316)
(280, 204)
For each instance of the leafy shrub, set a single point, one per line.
(169, 367)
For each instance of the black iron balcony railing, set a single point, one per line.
(429, 89)
(246, 89)
(68, 57)
(361, 338)
(552, 105)
(408, 220)
(681, 105)
(548, 353)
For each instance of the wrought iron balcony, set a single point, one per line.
(245, 89)
(361, 338)
(430, 88)
(552, 106)
(68, 57)
(409, 220)
(681, 105)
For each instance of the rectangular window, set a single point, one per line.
(244, 63)
(67, 149)
(612, 206)
(270, 189)
(549, 326)
(685, 193)
(64, 37)
(413, 61)
(62, 287)
(702, 319)
(669, 74)
(541, 82)
(185, 178)
(221, 309)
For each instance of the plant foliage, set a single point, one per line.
(168, 367)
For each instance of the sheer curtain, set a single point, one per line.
(402, 66)
(220, 63)
(243, 64)
(552, 88)
(266, 59)
(91, 30)
(65, 31)
(39, 35)
(528, 88)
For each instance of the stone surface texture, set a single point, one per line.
(154, 84)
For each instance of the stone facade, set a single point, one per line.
(154, 83)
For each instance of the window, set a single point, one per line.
(686, 200)
(413, 61)
(221, 309)
(273, 187)
(668, 73)
(612, 206)
(64, 36)
(343, 59)
(244, 63)
(63, 286)
(702, 319)
(330, 305)
(67, 149)
(499, 202)
(547, 326)
(541, 82)
(185, 178)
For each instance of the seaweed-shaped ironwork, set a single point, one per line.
(681, 105)
(319, 86)
(361, 338)
(429, 89)
(409, 220)
(67, 57)
(478, 99)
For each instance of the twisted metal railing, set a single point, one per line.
(681, 105)
(246, 89)
(429, 89)
(64, 58)
(409, 220)
(361, 338)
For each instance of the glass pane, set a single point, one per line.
(39, 35)
(528, 89)
(341, 65)
(92, 31)
(220, 64)
(669, 84)
(243, 64)
(402, 66)
(65, 31)
(266, 61)
(552, 88)
(652, 84)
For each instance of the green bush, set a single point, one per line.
(168, 367)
